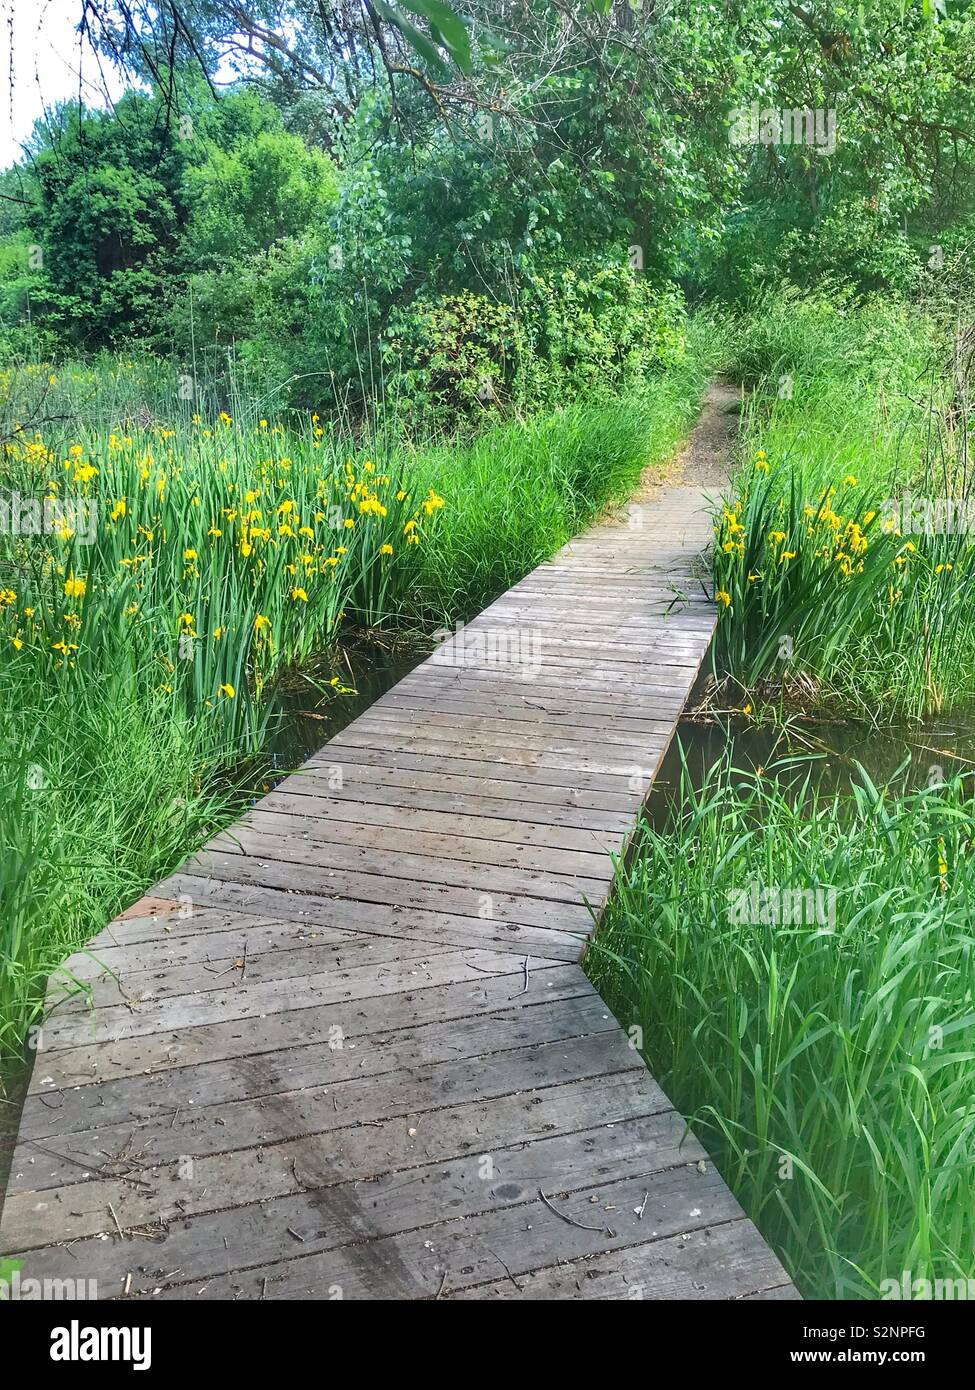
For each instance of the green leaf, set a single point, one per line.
(446, 26)
(423, 45)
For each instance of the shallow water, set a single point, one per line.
(307, 717)
(931, 751)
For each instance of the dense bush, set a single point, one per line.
(604, 326)
(454, 355)
(573, 334)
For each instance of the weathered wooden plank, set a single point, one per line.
(467, 729)
(523, 1235)
(336, 1215)
(395, 1145)
(518, 722)
(313, 911)
(429, 870)
(565, 716)
(549, 769)
(444, 791)
(669, 613)
(488, 902)
(482, 827)
(70, 1029)
(423, 1002)
(348, 845)
(358, 790)
(531, 756)
(278, 1116)
(206, 935)
(610, 597)
(497, 912)
(133, 980)
(717, 1262)
(665, 667)
(636, 691)
(600, 683)
(134, 1100)
(534, 656)
(355, 771)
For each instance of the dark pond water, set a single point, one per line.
(935, 750)
(310, 710)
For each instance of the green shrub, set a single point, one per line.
(601, 328)
(452, 356)
(573, 334)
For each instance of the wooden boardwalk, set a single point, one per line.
(349, 1051)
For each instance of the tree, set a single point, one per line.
(251, 184)
(107, 211)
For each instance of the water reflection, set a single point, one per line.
(310, 710)
(937, 750)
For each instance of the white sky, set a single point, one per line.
(45, 68)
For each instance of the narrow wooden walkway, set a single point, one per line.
(349, 1051)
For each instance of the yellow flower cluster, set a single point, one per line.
(198, 531)
(832, 532)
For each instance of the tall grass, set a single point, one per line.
(177, 573)
(107, 391)
(103, 792)
(830, 1072)
(216, 556)
(872, 344)
(815, 571)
